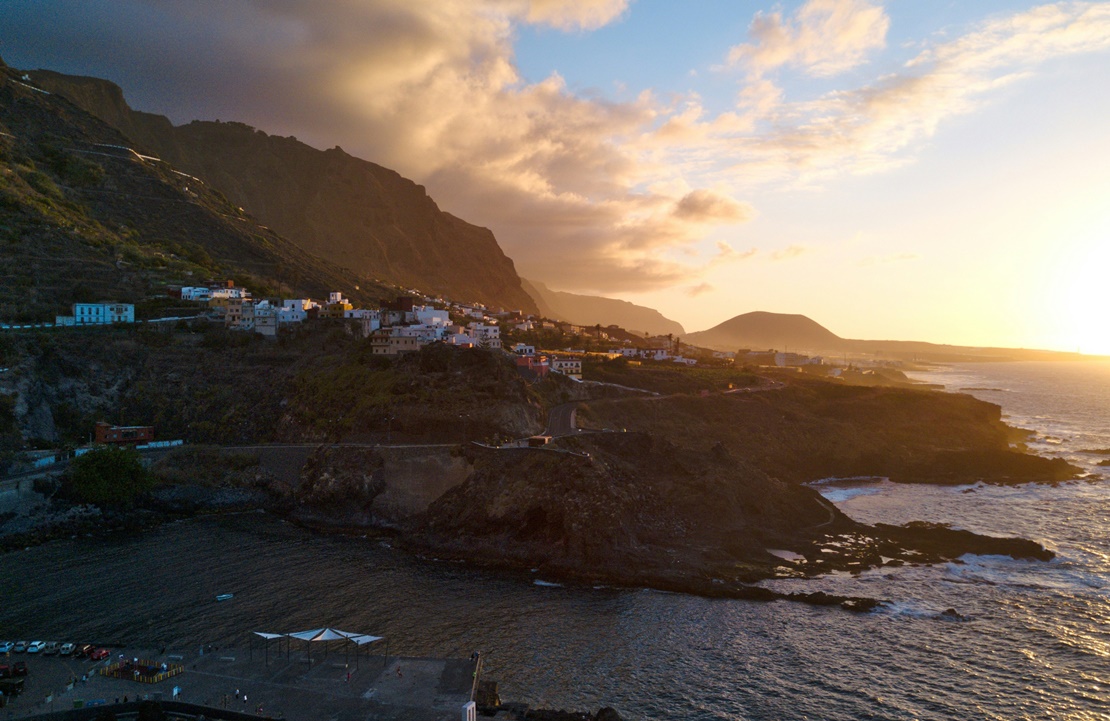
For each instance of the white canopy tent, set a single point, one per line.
(325, 635)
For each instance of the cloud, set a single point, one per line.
(572, 15)
(871, 128)
(699, 289)
(726, 253)
(789, 252)
(705, 206)
(823, 38)
(582, 192)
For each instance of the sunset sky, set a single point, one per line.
(909, 169)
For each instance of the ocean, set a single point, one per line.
(1033, 642)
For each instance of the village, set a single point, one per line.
(414, 320)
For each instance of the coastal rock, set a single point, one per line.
(804, 430)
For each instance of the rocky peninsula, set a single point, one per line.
(700, 492)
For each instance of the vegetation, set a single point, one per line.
(667, 378)
(107, 476)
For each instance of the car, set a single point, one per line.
(36, 646)
(50, 649)
(66, 649)
(99, 654)
(84, 650)
(6, 646)
(20, 646)
(5, 670)
(20, 668)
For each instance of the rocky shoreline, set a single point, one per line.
(665, 520)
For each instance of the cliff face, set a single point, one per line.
(336, 206)
(85, 219)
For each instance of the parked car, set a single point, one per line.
(36, 646)
(6, 646)
(20, 646)
(50, 649)
(5, 670)
(67, 649)
(20, 668)
(99, 654)
(84, 650)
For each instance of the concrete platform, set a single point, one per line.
(293, 688)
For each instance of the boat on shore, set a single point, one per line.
(225, 597)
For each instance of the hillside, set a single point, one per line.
(594, 310)
(763, 331)
(333, 205)
(85, 218)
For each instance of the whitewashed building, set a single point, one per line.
(489, 336)
(104, 313)
(571, 367)
(201, 294)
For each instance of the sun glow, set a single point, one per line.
(1083, 320)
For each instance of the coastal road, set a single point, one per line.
(560, 421)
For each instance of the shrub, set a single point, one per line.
(107, 476)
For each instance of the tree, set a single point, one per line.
(107, 476)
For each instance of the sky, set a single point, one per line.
(908, 169)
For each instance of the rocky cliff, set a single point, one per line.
(336, 206)
(86, 219)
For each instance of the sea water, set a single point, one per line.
(1032, 639)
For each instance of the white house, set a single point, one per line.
(489, 336)
(425, 332)
(429, 315)
(266, 319)
(571, 367)
(228, 293)
(292, 311)
(524, 350)
(461, 339)
(202, 294)
(98, 314)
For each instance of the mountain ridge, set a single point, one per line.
(334, 205)
(85, 218)
(593, 310)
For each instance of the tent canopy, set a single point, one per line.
(324, 634)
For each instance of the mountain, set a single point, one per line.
(332, 204)
(594, 310)
(761, 330)
(85, 218)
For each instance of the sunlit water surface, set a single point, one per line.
(1036, 642)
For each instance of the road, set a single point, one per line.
(560, 421)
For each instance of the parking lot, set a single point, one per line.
(47, 677)
(289, 686)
